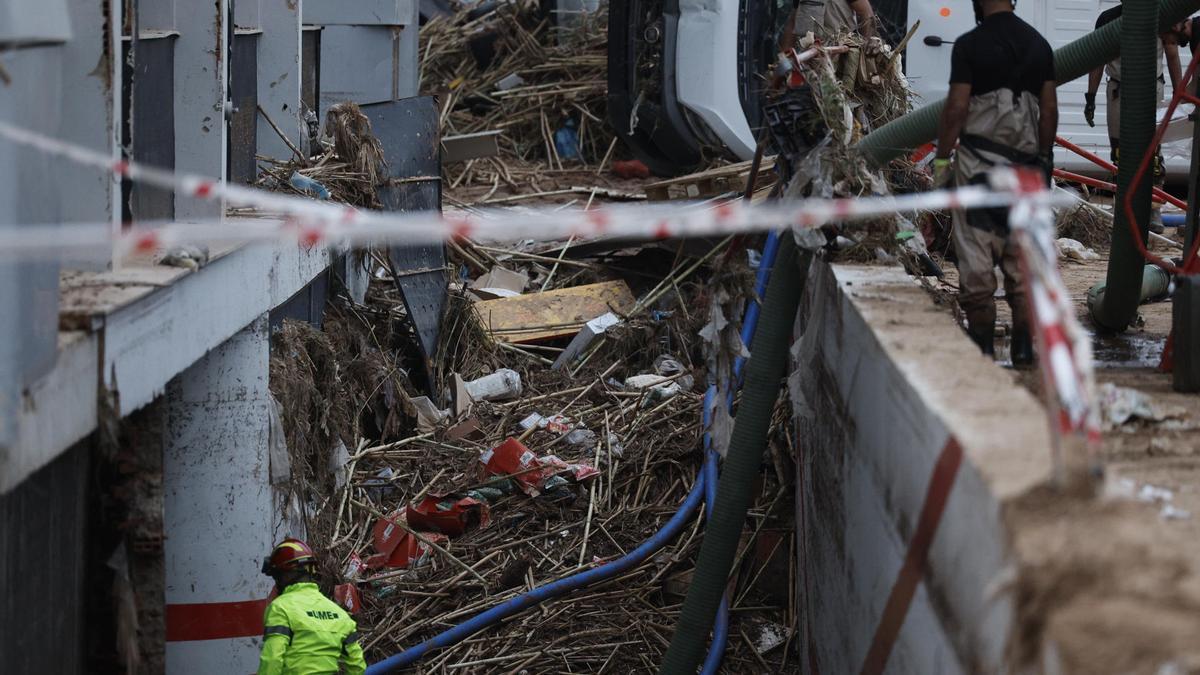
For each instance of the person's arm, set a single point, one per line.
(866, 17)
(1089, 98)
(277, 637)
(1171, 50)
(353, 662)
(954, 115)
(1048, 120)
(1094, 80)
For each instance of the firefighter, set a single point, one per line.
(303, 631)
(1168, 47)
(1001, 111)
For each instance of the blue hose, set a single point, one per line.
(550, 590)
(705, 488)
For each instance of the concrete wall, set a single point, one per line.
(883, 384)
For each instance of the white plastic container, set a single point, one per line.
(502, 384)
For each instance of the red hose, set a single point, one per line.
(1140, 175)
(1162, 195)
(1092, 157)
(1159, 196)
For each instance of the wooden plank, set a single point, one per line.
(554, 314)
(708, 183)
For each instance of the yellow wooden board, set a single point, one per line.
(553, 314)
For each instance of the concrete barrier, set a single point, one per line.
(912, 442)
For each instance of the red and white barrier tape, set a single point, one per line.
(1063, 345)
(314, 223)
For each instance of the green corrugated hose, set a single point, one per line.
(1138, 101)
(1073, 60)
(764, 372)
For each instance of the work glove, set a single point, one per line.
(942, 172)
(1089, 109)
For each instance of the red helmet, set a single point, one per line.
(290, 554)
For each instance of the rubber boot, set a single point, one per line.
(984, 335)
(1156, 221)
(1021, 348)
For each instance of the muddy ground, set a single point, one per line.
(1112, 585)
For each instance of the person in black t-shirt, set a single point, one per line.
(1001, 110)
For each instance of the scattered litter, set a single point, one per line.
(429, 416)
(584, 338)
(534, 476)
(380, 485)
(1152, 493)
(467, 429)
(770, 636)
(354, 568)
(566, 141)
(499, 283)
(189, 256)
(503, 384)
(584, 437)
(348, 597)
(308, 185)
(556, 424)
(460, 398)
(470, 146)
(1121, 405)
(450, 515)
(509, 81)
(630, 168)
(397, 547)
(1069, 249)
(669, 366)
(1169, 512)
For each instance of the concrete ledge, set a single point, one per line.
(884, 383)
(145, 324)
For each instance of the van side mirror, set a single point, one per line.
(936, 41)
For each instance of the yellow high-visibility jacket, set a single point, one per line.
(305, 633)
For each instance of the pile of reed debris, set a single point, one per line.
(429, 506)
(514, 69)
(347, 165)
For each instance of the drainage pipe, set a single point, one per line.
(1071, 61)
(721, 535)
(716, 650)
(1155, 286)
(1139, 52)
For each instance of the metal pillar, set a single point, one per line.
(91, 116)
(201, 90)
(218, 515)
(368, 50)
(279, 76)
(1185, 319)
